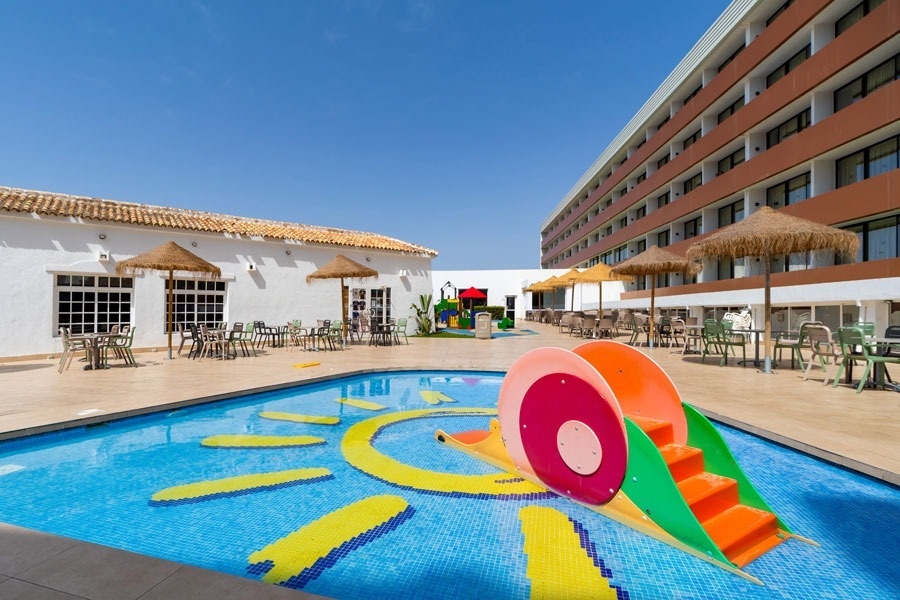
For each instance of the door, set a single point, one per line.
(511, 308)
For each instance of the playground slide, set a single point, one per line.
(604, 426)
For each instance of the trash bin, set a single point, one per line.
(483, 326)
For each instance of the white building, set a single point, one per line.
(58, 255)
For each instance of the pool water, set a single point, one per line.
(401, 521)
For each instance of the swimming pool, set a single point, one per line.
(125, 484)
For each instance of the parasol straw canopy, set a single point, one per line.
(598, 274)
(342, 268)
(655, 261)
(570, 278)
(169, 257)
(767, 233)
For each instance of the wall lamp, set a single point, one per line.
(288, 252)
(194, 244)
(102, 236)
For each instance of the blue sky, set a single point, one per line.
(457, 125)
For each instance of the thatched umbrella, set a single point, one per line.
(169, 257)
(598, 274)
(654, 261)
(767, 233)
(342, 268)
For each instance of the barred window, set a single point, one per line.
(91, 303)
(197, 301)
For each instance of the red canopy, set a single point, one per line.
(473, 294)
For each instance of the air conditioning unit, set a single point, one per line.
(103, 256)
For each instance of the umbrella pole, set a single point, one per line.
(652, 332)
(767, 368)
(170, 313)
(573, 297)
(343, 315)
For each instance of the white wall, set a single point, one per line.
(33, 249)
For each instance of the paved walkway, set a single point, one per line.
(859, 431)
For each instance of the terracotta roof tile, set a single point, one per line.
(98, 209)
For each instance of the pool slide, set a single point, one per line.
(604, 425)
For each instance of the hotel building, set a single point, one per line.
(793, 105)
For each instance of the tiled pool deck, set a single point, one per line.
(859, 431)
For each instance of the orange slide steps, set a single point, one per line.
(742, 533)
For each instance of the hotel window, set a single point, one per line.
(640, 213)
(661, 123)
(855, 15)
(662, 280)
(692, 94)
(641, 177)
(623, 222)
(92, 304)
(693, 183)
(731, 58)
(662, 238)
(878, 239)
(778, 12)
(606, 258)
(640, 246)
(691, 139)
(731, 109)
(792, 126)
(693, 228)
(197, 301)
(593, 261)
(726, 268)
(620, 253)
(731, 214)
(861, 87)
(788, 66)
(869, 162)
(663, 161)
(662, 200)
(731, 161)
(608, 203)
(789, 192)
(623, 191)
(609, 230)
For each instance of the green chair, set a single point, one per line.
(336, 335)
(717, 340)
(855, 348)
(121, 347)
(398, 329)
(246, 339)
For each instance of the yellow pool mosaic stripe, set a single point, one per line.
(234, 486)
(562, 563)
(432, 397)
(303, 555)
(306, 365)
(364, 404)
(298, 418)
(360, 452)
(260, 441)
